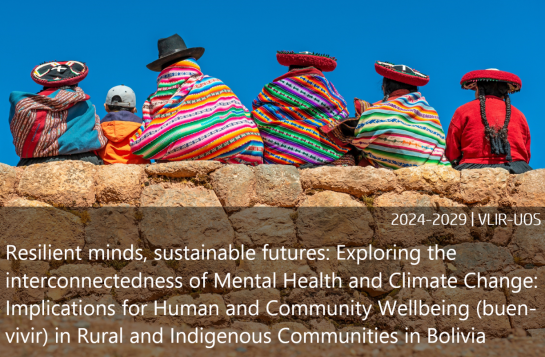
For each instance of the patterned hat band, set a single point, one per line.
(401, 73)
(59, 73)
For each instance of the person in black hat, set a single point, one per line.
(192, 116)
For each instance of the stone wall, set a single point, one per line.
(93, 206)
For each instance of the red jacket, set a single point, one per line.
(466, 133)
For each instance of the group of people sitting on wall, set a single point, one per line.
(298, 119)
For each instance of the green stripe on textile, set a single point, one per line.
(299, 102)
(164, 140)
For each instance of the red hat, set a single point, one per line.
(325, 63)
(401, 73)
(469, 80)
(59, 73)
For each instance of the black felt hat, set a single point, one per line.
(171, 48)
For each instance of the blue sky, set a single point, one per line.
(444, 39)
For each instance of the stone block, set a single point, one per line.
(426, 267)
(8, 182)
(235, 186)
(266, 268)
(484, 185)
(97, 301)
(151, 268)
(250, 297)
(32, 268)
(158, 196)
(409, 322)
(332, 218)
(30, 223)
(529, 189)
(322, 325)
(533, 298)
(328, 266)
(492, 326)
(430, 178)
(350, 270)
(81, 271)
(292, 326)
(501, 236)
(257, 226)
(179, 217)
(484, 258)
(5, 294)
(111, 228)
(539, 333)
(411, 204)
(354, 180)
(528, 245)
(183, 168)
(190, 268)
(119, 183)
(248, 326)
(60, 183)
(332, 298)
(278, 185)
(189, 307)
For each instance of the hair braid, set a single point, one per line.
(504, 131)
(499, 143)
(488, 132)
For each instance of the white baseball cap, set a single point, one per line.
(121, 96)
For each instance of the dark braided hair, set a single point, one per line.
(499, 143)
(391, 86)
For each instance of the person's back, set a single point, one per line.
(119, 125)
(192, 116)
(297, 114)
(402, 130)
(474, 145)
(60, 122)
(489, 132)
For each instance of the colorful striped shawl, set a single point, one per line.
(289, 113)
(54, 122)
(401, 133)
(196, 117)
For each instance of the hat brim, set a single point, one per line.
(401, 77)
(195, 52)
(324, 64)
(469, 80)
(63, 82)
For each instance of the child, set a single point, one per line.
(119, 125)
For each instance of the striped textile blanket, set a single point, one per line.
(56, 121)
(192, 116)
(289, 113)
(402, 132)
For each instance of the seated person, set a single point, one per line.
(402, 130)
(192, 116)
(296, 112)
(60, 122)
(119, 125)
(489, 131)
